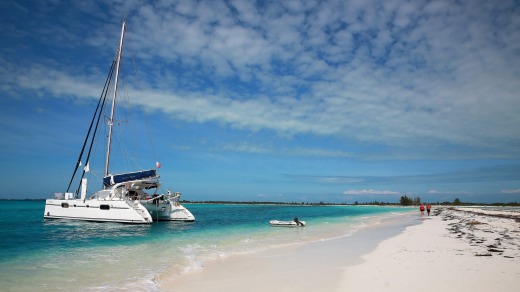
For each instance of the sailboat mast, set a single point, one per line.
(111, 121)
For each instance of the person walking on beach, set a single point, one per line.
(421, 208)
(428, 208)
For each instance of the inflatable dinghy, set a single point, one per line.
(278, 223)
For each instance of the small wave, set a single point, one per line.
(145, 283)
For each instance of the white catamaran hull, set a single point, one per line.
(167, 211)
(97, 210)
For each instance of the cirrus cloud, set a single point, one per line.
(370, 192)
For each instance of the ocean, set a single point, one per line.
(62, 255)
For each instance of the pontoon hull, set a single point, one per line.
(96, 210)
(165, 211)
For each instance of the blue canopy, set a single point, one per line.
(124, 177)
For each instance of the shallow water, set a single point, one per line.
(38, 254)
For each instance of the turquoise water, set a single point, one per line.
(38, 254)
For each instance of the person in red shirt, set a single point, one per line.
(421, 208)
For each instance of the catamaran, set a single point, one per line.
(130, 197)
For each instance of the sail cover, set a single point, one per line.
(124, 177)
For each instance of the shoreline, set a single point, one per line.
(299, 267)
(452, 250)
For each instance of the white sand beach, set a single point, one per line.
(452, 250)
(459, 250)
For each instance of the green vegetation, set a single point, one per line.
(404, 201)
(263, 203)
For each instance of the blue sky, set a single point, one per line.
(335, 101)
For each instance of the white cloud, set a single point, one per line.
(339, 180)
(370, 192)
(431, 192)
(514, 191)
(277, 150)
(270, 196)
(423, 74)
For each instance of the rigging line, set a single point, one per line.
(151, 140)
(90, 128)
(92, 173)
(96, 148)
(132, 115)
(111, 73)
(97, 127)
(130, 159)
(133, 132)
(144, 115)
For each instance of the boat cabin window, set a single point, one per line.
(104, 207)
(64, 205)
(102, 195)
(118, 193)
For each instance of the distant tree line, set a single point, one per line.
(403, 201)
(259, 202)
